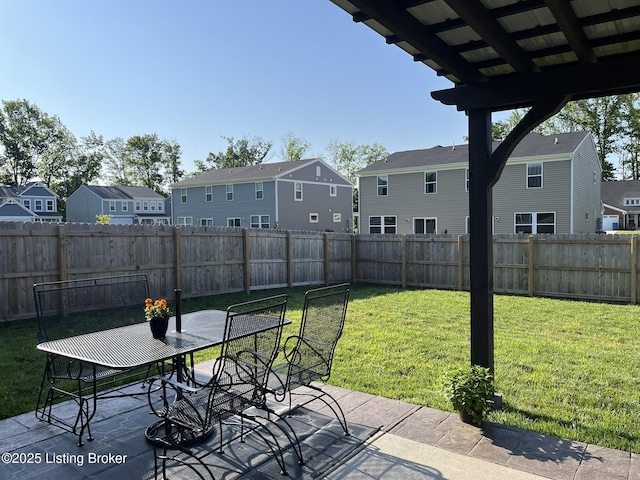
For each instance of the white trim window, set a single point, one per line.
(125, 206)
(234, 222)
(535, 222)
(183, 195)
(383, 185)
(337, 217)
(422, 226)
(229, 193)
(112, 205)
(184, 220)
(50, 206)
(297, 191)
(466, 179)
(206, 222)
(313, 218)
(260, 221)
(139, 205)
(333, 191)
(27, 203)
(534, 175)
(208, 193)
(160, 206)
(430, 182)
(38, 205)
(259, 190)
(383, 224)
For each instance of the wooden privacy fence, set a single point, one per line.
(213, 260)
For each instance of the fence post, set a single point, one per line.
(634, 273)
(460, 262)
(403, 244)
(289, 259)
(354, 259)
(532, 276)
(247, 262)
(62, 253)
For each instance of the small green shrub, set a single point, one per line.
(470, 389)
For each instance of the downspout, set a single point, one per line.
(277, 201)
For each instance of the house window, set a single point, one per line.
(313, 218)
(382, 224)
(153, 206)
(145, 205)
(337, 217)
(430, 182)
(161, 206)
(139, 205)
(27, 204)
(50, 206)
(125, 206)
(535, 222)
(424, 225)
(318, 170)
(260, 221)
(333, 191)
(185, 220)
(466, 181)
(229, 193)
(233, 222)
(206, 222)
(38, 205)
(208, 193)
(298, 192)
(183, 195)
(383, 185)
(534, 175)
(259, 190)
(112, 205)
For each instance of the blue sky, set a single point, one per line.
(198, 70)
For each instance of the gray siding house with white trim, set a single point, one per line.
(33, 202)
(299, 195)
(550, 184)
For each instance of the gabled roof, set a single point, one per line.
(532, 145)
(12, 208)
(17, 191)
(613, 193)
(251, 173)
(124, 192)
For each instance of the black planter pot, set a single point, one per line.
(159, 326)
(466, 417)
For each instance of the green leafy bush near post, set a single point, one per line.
(470, 389)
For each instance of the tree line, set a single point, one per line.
(37, 146)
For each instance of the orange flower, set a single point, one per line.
(157, 308)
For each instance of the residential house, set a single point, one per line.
(33, 202)
(550, 184)
(621, 201)
(298, 195)
(125, 205)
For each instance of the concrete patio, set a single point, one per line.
(405, 441)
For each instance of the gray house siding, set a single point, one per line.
(587, 170)
(511, 195)
(219, 209)
(82, 205)
(317, 210)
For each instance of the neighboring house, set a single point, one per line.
(125, 205)
(298, 195)
(32, 202)
(621, 201)
(550, 184)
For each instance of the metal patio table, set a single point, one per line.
(133, 346)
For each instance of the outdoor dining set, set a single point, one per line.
(96, 345)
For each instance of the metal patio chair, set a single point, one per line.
(236, 393)
(309, 355)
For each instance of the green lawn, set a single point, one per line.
(565, 368)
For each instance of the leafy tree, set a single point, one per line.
(116, 170)
(26, 133)
(239, 153)
(630, 151)
(293, 148)
(348, 157)
(151, 162)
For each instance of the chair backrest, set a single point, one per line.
(74, 307)
(323, 319)
(252, 339)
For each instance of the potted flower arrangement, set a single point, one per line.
(157, 313)
(470, 390)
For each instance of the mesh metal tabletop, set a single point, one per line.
(133, 346)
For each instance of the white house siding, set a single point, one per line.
(511, 195)
(587, 170)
